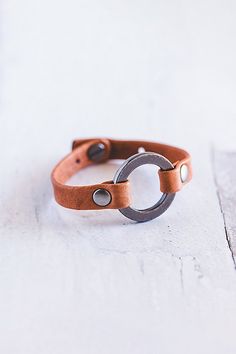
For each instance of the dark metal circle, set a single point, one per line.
(124, 171)
(101, 197)
(96, 152)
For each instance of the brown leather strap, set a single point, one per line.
(80, 197)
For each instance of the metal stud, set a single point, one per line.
(102, 197)
(96, 152)
(184, 173)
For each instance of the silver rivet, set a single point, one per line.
(96, 152)
(101, 197)
(184, 173)
(141, 149)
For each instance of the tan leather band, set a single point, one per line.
(80, 197)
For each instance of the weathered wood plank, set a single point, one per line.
(89, 282)
(225, 178)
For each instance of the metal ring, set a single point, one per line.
(124, 171)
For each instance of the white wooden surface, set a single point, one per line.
(94, 282)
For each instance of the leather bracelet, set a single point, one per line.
(175, 171)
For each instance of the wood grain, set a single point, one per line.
(225, 178)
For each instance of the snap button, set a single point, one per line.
(101, 197)
(96, 152)
(184, 173)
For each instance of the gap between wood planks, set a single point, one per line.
(224, 171)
